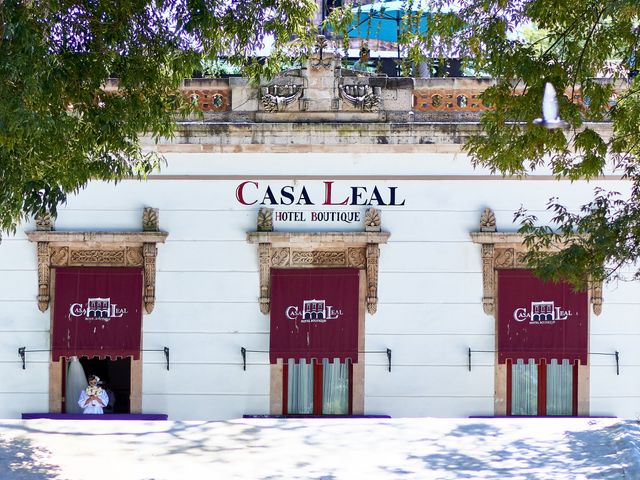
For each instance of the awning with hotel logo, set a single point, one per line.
(97, 312)
(314, 314)
(540, 320)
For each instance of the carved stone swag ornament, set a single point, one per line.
(276, 98)
(322, 85)
(98, 249)
(502, 250)
(318, 250)
(361, 97)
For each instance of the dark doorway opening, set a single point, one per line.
(115, 378)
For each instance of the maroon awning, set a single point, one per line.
(314, 314)
(540, 320)
(97, 312)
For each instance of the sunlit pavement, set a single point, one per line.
(406, 448)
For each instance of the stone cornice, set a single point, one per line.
(497, 237)
(121, 238)
(334, 239)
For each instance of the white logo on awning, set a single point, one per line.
(313, 311)
(97, 308)
(541, 313)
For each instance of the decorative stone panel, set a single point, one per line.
(210, 100)
(454, 100)
(506, 251)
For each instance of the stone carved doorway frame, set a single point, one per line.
(321, 250)
(502, 250)
(96, 249)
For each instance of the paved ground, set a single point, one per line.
(270, 449)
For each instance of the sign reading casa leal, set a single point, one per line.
(97, 308)
(541, 313)
(327, 194)
(313, 311)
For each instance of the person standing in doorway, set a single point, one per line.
(93, 398)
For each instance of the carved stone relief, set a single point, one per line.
(280, 257)
(44, 222)
(265, 275)
(504, 258)
(276, 98)
(357, 257)
(265, 220)
(488, 221)
(150, 220)
(372, 220)
(361, 97)
(94, 257)
(149, 253)
(373, 255)
(488, 279)
(44, 274)
(59, 256)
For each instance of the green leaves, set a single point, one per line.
(60, 128)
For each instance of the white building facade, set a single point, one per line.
(366, 182)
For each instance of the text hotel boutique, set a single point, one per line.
(316, 246)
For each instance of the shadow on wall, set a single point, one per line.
(20, 460)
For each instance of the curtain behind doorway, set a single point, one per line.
(76, 383)
(524, 393)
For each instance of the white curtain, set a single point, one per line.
(524, 388)
(560, 388)
(335, 387)
(76, 382)
(300, 387)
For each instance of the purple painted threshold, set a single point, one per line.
(324, 417)
(106, 416)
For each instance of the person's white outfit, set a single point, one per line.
(93, 406)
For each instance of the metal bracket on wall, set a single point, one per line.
(22, 352)
(387, 351)
(243, 352)
(614, 354)
(477, 351)
(165, 350)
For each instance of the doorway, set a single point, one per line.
(115, 378)
(541, 388)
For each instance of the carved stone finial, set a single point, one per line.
(276, 98)
(151, 220)
(321, 44)
(265, 220)
(362, 97)
(372, 221)
(44, 222)
(488, 221)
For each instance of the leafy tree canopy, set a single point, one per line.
(59, 127)
(590, 51)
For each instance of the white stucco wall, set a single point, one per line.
(430, 285)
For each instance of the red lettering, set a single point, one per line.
(327, 195)
(240, 192)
